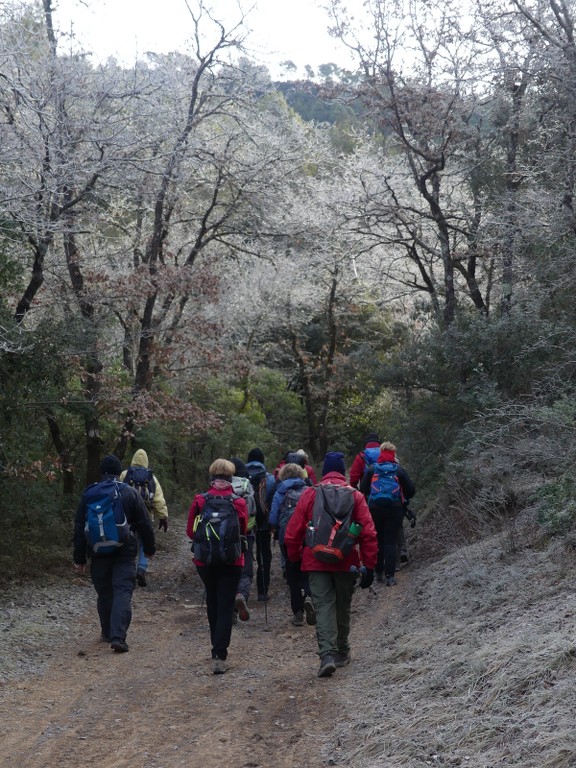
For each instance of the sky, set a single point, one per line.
(293, 30)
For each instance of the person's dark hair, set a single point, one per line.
(240, 467)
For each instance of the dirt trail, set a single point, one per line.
(160, 706)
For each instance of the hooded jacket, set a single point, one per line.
(159, 506)
(366, 549)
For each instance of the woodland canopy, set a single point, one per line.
(197, 260)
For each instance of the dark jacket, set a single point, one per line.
(263, 492)
(408, 487)
(136, 514)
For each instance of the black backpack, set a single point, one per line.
(328, 533)
(142, 480)
(216, 539)
(258, 481)
(289, 505)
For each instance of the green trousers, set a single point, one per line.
(332, 594)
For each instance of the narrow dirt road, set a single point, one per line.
(160, 706)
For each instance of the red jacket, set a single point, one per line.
(196, 509)
(296, 530)
(359, 465)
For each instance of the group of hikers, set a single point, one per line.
(333, 535)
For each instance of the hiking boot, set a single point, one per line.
(310, 611)
(219, 666)
(342, 659)
(380, 578)
(119, 646)
(104, 638)
(327, 665)
(390, 581)
(263, 598)
(141, 577)
(298, 619)
(241, 607)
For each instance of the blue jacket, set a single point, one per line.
(282, 488)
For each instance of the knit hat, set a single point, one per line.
(256, 455)
(372, 437)
(240, 467)
(334, 462)
(296, 458)
(110, 465)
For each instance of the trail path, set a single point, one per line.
(160, 706)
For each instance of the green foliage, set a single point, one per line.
(556, 503)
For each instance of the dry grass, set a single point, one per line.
(476, 667)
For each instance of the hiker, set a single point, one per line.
(242, 487)
(140, 476)
(309, 469)
(263, 484)
(300, 460)
(217, 524)
(388, 487)
(365, 458)
(332, 572)
(112, 563)
(292, 482)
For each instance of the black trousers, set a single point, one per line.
(388, 521)
(114, 580)
(264, 560)
(221, 583)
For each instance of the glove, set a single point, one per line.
(367, 578)
(163, 523)
(411, 516)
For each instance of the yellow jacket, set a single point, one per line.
(159, 506)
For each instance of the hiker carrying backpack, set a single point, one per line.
(292, 482)
(263, 484)
(332, 532)
(140, 477)
(388, 488)
(217, 523)
(108, 515)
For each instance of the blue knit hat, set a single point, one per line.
(334, 462)
(110, 465)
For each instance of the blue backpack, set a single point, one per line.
(371, 455)
(385, 484)
(106, 528)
